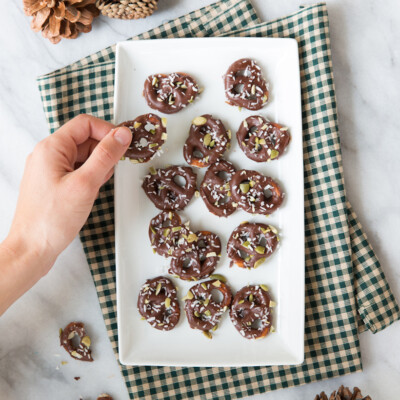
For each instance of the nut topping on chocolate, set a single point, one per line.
(250, 244)
(202, 310)
(215, 189)
(163, 189)
(256, 193)
(250, 312)
(149, 133)
(262, 140)
(82, 352)
(207, 142)
(158, 303)
(170, 93)
(245, 85)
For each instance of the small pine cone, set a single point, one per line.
(59, 19)
(343, 393)
(127, 9)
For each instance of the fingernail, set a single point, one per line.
(123, 136)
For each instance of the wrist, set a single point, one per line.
(37, 255)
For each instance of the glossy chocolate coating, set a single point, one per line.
(170, 93)
(245, 85)
(250, 312)
(217, 138)
(202, 311)
(262, 140)
(169, 237)
(82, 352)
(201, 262)
(216, 191)
(250, 244)
(248, 191)
(153, 305)
(145, 144)
(161, 188)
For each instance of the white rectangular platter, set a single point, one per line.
(207, 59)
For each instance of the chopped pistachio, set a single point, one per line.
(229, 132)
(262, 141)
(164, 122)
(206, 302)
(208, 313)
(64, 362)
(272, 330)
(260, 249)
(244, 187)
(192, 237)
(217, 283)
(218, 277)
(198, 121)
(207, 334)
(71, 335)
(137, 125)
(164, 136)
(176, 229)
(86, 341)
(212, 143)
(246, 244)
(259, 262)
(207, 139)
(154, 82)
(75, 354)
(167, 302)
(158, 288)
(240, 301)
(60, 331)
(245, 124)
(196, 193)
(152, 145)
(204, 286)
(273, 229)
(215, 328)
(274, 154)
(251, 297)
(211, 254)
(152, 172)
(272, 304)
(189, 296)
(197, 314)
(166, 232)
(264, 287)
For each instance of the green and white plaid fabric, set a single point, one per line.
(346, 290)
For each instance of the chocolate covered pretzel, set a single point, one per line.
(250, 244)
(262, 140)
(215, 189)
(145, 141)
(250, 312)
(200, 262)
(245, 85)
(256, 193)
(162, 188)
(81, 352)
(208, 140)
(169, 237)
(202, 310)
(158, 303)
(170, 93)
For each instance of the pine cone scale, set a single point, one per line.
(59, 19)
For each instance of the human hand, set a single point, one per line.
(61, 181)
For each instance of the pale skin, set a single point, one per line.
(61, 181)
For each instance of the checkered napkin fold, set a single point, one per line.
(346, 290)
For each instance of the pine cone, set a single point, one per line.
(343, 393)
(61, 18)
(127, 9)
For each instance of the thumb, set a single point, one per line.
(105, 155)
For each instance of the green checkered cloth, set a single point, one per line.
(346, 290)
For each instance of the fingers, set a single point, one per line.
(84, 127)
(104, 156)
(85, 150)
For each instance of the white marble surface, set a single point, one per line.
(366, 56)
